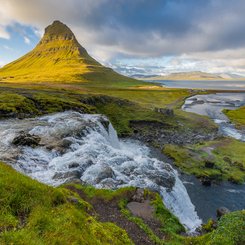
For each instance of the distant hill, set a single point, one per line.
(195, 75)
(59, 57)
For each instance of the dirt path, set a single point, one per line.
(108, 211)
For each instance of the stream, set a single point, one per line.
(211, 105)
(76, 146)
(208, 199)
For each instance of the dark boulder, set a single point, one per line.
(222, 211)
(26, 139)
(206, 181)
(105, 173)
(68, 176)
(73, 165)
(163, 179)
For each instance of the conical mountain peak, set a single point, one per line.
(58, 30)
(57, 57)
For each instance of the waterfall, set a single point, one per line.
(78, 146)
(113, 137)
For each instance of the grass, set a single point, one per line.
(59, 75)
(222, 159)
(33, 213)
(236, 116)
(230, 231)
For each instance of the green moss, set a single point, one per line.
(61, 102)
(230, 231)
(170, 224)
(220, 160)
(11, 104)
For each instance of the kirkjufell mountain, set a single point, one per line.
(58, 57)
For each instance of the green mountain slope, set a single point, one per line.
(58, 57)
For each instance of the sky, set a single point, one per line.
(135, 37)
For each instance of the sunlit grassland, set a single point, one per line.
(33, 213)
(221, 159)
(236, 116)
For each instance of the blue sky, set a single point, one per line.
(140, 36)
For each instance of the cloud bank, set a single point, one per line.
(194, 33)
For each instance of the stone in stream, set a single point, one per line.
(25, 139)
(105, 173)
(206, 181)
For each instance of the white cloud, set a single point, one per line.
(7, 48)
(27, 40)
(109, 32)
(3, 33)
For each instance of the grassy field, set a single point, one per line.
(236, 116)
(33, 213)
(221, 159)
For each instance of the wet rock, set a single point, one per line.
(73, 165)
(105, 173)
(222, 211)
(206, 181)
(69, 176)
(66, 143)
(163, 179)
(25, 139)
(138, 195)
(159, 133)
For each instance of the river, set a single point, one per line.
(86, 147)
(232, 196)
(212, 105)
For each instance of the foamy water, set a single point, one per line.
(81, 146)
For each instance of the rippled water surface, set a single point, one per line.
(212, 105)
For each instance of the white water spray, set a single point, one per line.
(75, 145)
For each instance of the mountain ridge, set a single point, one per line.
(193, 75)
(58, 57)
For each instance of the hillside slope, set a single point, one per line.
(58, 57)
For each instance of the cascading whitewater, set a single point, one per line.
(86, 147)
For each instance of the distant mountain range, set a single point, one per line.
(195, 75)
